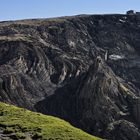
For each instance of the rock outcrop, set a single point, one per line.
(84, 69)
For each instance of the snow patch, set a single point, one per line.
(116, 57)
(123, 21)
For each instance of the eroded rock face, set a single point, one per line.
(84, 69)
(101, 100)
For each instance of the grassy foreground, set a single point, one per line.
(18, 123)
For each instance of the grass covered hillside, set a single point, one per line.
(18, 123)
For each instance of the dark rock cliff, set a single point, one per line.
(84, 69)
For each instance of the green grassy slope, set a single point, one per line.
(18, 123)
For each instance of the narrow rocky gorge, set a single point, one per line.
(84, 69)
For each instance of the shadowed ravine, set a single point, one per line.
(84, 69)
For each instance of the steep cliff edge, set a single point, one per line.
(84, 69)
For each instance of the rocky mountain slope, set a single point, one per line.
(18, 123)
(84, 69)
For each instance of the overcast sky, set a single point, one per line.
(23, 9)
